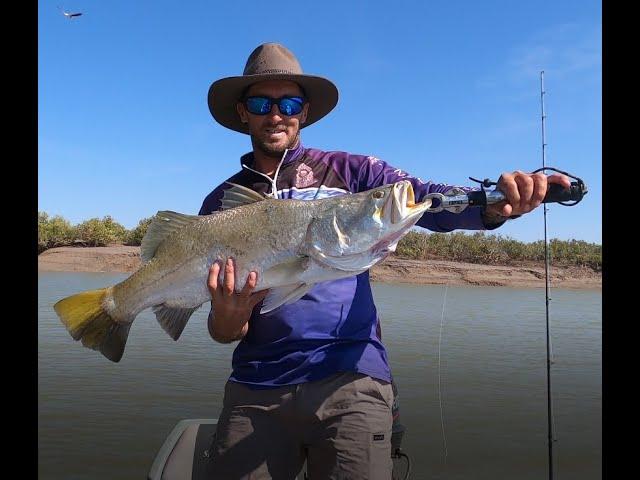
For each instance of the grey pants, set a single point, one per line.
(340, 425)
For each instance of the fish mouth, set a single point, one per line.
(403, 206)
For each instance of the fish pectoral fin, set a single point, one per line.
(286, 271)
(173, 319)
(163, 224)
(281, 295)
(350, 263)
(356, 262)
(237, 196)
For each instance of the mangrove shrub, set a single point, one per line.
(99, 233)
(53, 232)
(135, 236)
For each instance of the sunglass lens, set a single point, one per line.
(258, 105)
(262, 105)
(290, 106)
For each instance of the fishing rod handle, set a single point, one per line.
(555, 193)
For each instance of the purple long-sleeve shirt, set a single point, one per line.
(333, 327)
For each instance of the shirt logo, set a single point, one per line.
(304, 176)
(377, 437)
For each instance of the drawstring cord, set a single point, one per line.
(274, 188)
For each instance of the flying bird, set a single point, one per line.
(70, 15)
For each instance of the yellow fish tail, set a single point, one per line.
(86, 319)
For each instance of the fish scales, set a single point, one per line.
(291, 244)
(252, 242)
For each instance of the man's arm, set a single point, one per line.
(217, 334)
(523, 191)
(365, 173)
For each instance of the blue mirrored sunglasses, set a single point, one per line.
(262, 105)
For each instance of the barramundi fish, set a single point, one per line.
(290, 244)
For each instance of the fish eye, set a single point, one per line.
(378, 194)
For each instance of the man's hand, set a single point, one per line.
(524, 192)
(231, 310)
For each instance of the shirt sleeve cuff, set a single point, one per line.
(494, 221)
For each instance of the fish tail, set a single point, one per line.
(86, 318)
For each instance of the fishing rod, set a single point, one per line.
(457, 200)
(550, 435)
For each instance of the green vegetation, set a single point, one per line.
(135, 236)
(98, 233)
(53, 232)
(95, 232)
(495, 249)
(478, 247)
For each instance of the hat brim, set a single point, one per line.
(225, 93)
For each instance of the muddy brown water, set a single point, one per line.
(100, 420)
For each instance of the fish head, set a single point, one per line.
(372, 221)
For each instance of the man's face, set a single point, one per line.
(274, 132)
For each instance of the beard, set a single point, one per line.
(273, 151)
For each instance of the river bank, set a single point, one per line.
(126, 259)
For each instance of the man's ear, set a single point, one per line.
(305, 112)
(242, 112)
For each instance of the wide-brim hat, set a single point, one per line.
(270, 61)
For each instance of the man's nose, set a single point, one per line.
(275, 114)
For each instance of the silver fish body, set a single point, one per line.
(290, 244)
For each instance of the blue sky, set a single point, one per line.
(442, 89)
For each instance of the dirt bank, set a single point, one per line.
(121, 258)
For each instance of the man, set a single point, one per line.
(311, 379)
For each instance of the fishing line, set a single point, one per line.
(444, 438)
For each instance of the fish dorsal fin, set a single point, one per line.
(163, 224)
(237, 195)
